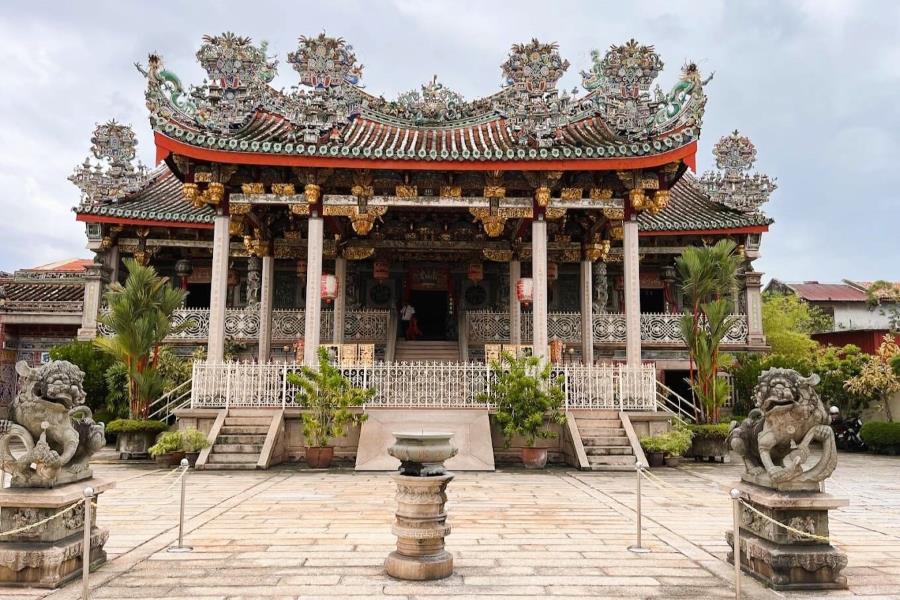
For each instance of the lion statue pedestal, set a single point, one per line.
(45, 449)
(783, 480)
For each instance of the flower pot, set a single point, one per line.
(134, 444)
(534, 458)
(656, 459)
(319, 458)
(673, 461)
(422, 454)
(712, 448)
(170, 459)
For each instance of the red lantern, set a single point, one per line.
(525, 290)
(382, 270)
(552, 271)
(476, 272)
(301, 268)
(329, 287)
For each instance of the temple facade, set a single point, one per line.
(532, 220)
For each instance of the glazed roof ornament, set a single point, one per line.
(329, 113)
(114, 173)
(733, 186)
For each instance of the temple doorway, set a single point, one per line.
(432, 308)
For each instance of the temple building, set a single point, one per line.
(533, 220)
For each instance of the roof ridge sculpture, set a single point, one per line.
(238, 104)
(114, 173)
(733, 186)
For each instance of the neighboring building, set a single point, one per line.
(857, 318)
(39, 308)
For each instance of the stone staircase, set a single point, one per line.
(240, 441)
(431, 351)
(605, 441)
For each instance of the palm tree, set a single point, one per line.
(140, 317)
(708, 275)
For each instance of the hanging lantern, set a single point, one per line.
(552, 271)
(301, 268)
(525, 290)
(329, 287)
(382, 270)
(476, 272)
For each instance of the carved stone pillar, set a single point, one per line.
(218, 289)
(632, 294)
(267, 293)
(515, 309)
(313, 291)
(752, 284)
(539, 275)
(601, 287)
(112, 263)
(587, 314)
(93, 292)
(340, 301)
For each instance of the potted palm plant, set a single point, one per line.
(140, 318)
(527, 398)
(666, 448)
(168, 449)
(327, 397)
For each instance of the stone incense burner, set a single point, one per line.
(421, 521)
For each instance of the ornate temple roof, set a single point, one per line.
(236, 116)
(54, 287)
(162, 201)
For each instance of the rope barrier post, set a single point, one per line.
(86, 546)
(181, 547)
(637, 548)
(736, 504)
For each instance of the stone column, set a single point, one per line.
(515, 309)
(267, 293)
(340, 302)
(218, 289)
(313, 291)
(93, 292)
(539, 276)
(112, 262)
(632, 293)
(752, 283)
(587, 313)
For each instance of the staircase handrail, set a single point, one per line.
(665, 401)
(176, 398)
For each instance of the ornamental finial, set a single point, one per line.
(113, 175)
(733, 186)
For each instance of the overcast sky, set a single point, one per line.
(814, 83)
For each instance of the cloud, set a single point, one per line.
(813, 82)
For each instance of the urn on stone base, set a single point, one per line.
(421, 521)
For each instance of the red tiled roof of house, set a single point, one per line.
(67, 264)
(814, 291)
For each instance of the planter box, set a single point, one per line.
(710, 448)
(134, 444)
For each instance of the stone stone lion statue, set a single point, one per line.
(774, 440)
(50, 419)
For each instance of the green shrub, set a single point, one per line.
(882, 438)
(170, 441)
(673, 443)
(136, 425)
(193, 440)
(116, 377)
(710, 431)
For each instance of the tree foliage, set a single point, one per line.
(708, 275)
(877, 377)
(788, 322)
(526, 397)
(327, 395)
(140, 317)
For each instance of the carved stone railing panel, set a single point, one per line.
(421, 385)
(242, 324)
(68, 306)
(608, 328)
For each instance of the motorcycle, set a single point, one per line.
(846, 431)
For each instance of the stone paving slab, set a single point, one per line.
(559, 533)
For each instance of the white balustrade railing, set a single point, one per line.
(242, 324)
(420, 385)
(486, 327)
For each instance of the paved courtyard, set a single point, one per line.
(559, 533)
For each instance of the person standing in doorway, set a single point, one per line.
(406, 315)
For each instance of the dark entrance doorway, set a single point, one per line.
(431, 313)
